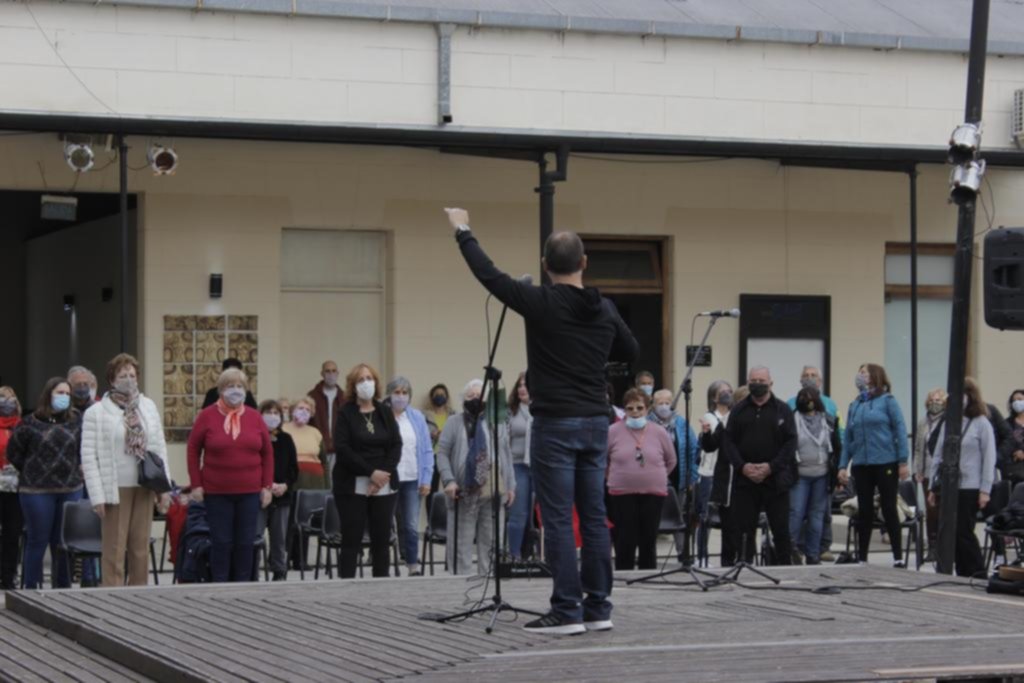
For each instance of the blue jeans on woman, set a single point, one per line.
(569, 458)
(409, 519)
(234, 524)
(44, 515)
(519, 515)
(809, 498)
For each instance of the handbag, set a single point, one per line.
(8, 479)
(152, 474)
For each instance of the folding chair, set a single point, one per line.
(309, 506)
(329, 537)
(436, 531)
(81, 533)
(1014, 537)
(671, 522)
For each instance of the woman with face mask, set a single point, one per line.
(935, 408)
(876, 453)
(817, 454)
(518, 427)
(10, 507)
(286, 473)
(465, 459)
(368, 444)
(44, 449)
(309, 445)
(231, 470)
(720, 397)
(116, 434)
(640, 458)
(415, 469)
(1011, 454)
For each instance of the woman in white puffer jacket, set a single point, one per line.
(116, 433)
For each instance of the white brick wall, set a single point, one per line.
(187, 64)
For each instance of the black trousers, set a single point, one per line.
(11, 525)
(359, 513)
(747, 502)
(967, 557)
(885, 478)
(636, 518)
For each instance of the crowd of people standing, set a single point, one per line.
(380, 456)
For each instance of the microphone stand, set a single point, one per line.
(686, 389)
(498, 605)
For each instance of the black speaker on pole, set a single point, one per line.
(1004, 278)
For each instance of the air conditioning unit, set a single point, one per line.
(1017, 118)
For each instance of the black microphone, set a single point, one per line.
(731, 313)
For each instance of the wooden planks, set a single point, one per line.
(368, 630)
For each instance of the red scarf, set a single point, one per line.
(7, 425)
(232, 418)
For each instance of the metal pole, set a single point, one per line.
(962, 269)
(913, 309)
(122, 157)
(546, 190)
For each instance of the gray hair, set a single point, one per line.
(713, 390)
(399, 382)
(472, 384)
(759, 368)
(81, 370)
(230, 376)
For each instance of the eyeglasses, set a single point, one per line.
(639, 456)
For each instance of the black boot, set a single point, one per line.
(280, 576)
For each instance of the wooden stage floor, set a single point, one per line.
(368, 630)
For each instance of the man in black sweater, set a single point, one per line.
(571, 333)
(760, 443)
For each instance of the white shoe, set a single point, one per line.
(601, 625)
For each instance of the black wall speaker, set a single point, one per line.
(216, 285)
(1004, 278)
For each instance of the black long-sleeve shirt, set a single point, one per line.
(360, 451)
(571, 334)
(762, 434)
(286, 464)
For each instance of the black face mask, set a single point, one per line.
(758, 390)
(439, 400)
(473, 406)
(806, 406)
(80, 395)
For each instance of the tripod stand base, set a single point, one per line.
(695, 576)
(496, 607)
(733, 575)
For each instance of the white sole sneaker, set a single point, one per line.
(603, 625)
(560, 630)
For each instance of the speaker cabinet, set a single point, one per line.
(1004, 278)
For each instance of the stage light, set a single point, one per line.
(965, 181)
(79, 156)
(163, 160)
(964, 142)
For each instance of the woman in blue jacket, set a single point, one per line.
(876, 448)
(414, 469)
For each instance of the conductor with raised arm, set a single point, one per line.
(571, 334)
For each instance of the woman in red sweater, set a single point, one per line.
(234, 477)
(10, 509)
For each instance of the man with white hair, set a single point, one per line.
(760, 442)
(83, 386)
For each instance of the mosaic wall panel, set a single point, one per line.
(194, 348)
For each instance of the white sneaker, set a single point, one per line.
(600, 625)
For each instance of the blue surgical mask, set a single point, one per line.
(663, 410)
(399, 402)
(647, 389)
(234, 396)
(636, 423)
(861, 382)
(272, 420)
(60, 402)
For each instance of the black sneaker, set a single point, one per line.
(899, 564)
(552, 624)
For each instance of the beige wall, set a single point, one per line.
(181, 63)
(734, 227)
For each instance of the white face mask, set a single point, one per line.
(1018, 406)
(366, 389)
(234, 396)
(272, 420)
(663, 410)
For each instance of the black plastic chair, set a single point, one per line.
(999, 499)
(329, 537)
(436, 532)
(914, 526)
(671, 522)
(309, 509)
(1014, 537)
(81, 533)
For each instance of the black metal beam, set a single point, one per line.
(868, 157)
(122, 159)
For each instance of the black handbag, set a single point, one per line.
(152, 474)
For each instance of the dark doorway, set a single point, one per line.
(62, 287)
(630, 274)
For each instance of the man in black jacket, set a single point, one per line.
(571, 333)
(760, 443)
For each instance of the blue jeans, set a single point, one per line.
(569, 457)
(809, 498)
(702, 500)
(409, 518)
(44, 514)
(519, 515)
(234, 523)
